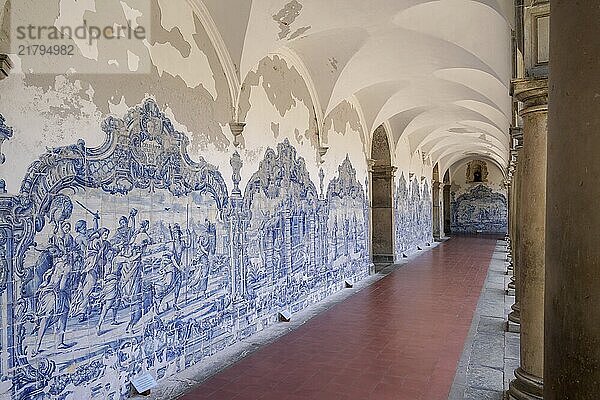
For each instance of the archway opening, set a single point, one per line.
(382, 174)
(446, 204)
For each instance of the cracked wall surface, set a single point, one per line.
(185, 70)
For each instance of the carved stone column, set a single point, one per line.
(572, 331)
(383, 213)
(435, 194)
(510, 204)
(514, 318)
(235, 217)
(444, 209)
(533, 93)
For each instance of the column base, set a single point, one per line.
(526, 387)
(514, 319)
(513, 327)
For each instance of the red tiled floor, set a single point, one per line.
(400, 338)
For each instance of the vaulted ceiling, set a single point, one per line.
(436, 72)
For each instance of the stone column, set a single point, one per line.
(533, 93)
(382, 211)
(572, 331)
(435, 194)
(441, 197)
(514, 318)
(509, 251)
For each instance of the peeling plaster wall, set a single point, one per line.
(409, 162)
(275, 104)
(478, 207)
(344, 134)
(48, 110)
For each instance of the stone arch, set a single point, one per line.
(382, 178)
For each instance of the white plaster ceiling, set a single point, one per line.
(436, 72)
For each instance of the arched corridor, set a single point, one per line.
(342, 198)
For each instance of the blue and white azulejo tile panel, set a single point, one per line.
(130, 257)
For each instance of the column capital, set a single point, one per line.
(512, 168)
(322, 151)
(5, 65)
(533, 93)
(514, 157)
(383, 171)
(237, 128)
(516, 133)
(439, 185)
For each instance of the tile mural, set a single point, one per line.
(413, 210)
(131, 257)
(480, 210)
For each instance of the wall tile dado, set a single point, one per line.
(413, 210)
(480, 210)
(131, 257)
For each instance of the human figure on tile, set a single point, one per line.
(67, 245)
(140, 237)
(53, 299)
(84, 234)
(131, 274)
(34, 275)
(63, 238)
(96, 259)
(179, 249)
(170, 282)
(125, 231)
(206, 247)
(109, 295)
(212, 235)
(82, 241)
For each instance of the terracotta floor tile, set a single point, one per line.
(399, 339)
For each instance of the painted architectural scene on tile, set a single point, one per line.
(478, 201)
(413, 215)
(480, 211)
